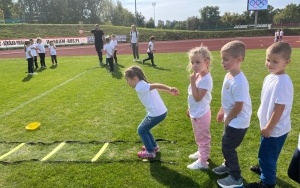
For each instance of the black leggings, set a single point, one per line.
(294, 168)
(53, 59)
(42, 59)
(150, 57)
(30, 65)
(35, 62)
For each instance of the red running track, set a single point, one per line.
(164, 46)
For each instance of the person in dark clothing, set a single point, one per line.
(99, 41)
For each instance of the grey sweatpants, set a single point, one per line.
(231, 139)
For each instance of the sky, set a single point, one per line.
(180, 10)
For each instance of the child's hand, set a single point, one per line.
(220, 117)
(193, 77)
(174, 91)
(265, 132)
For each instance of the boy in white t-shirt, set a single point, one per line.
(114, 44)
(108, 49)
(34, 53)
(42, 52)
(52, 51)
(235, 112)
(274, 112)
(150, 50)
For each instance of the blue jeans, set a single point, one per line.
(144, 130)
(268, 154)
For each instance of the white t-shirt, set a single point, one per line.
(28, 52)
(281, 33)
(114, 44)
(33, 49)
(151, 46)
(134, 36)
(236, 89)
(52, 50)
(276, 89)
(40, 47)
(150, 99)
(109, 50)
(200, 108)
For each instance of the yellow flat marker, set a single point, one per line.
(11, 151)
(53, 151)
(100, 152)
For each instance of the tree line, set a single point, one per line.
(113, 13)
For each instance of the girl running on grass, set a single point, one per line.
(155, 107)
(199, 97)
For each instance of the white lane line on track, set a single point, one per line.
(41, 95)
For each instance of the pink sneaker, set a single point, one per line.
(156, 149)
(146, 155)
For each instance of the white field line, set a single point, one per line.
(9, 112)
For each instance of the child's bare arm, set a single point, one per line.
(275, 117)
(220, 115)
(165, 88)
(237, 108)
(198, 93)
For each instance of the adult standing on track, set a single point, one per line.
(99, 41)
(134, 40)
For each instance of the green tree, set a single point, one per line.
(6, 6)
(231, 19)
(290, 14)
(209, 17)
(150, 23)
(193, 23)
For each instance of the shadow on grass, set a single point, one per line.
(41, 69)
(117, 73)
(156, 67)
(27, 78)
(168, 177)
(283, 183)
(53, 67)
(280, 183)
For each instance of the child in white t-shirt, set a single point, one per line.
(274, 112)
(34, 53)
(29, 57)
(109, 50)
(114, 44)
(52, 51)
(150, 51)
(235, 112)
(42, 52)
(199, 98)
(155, 107)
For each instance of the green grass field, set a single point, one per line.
(82, 104)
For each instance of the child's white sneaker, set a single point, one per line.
(195, 155)
(197, 165)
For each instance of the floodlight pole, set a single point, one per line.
(154, 4)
